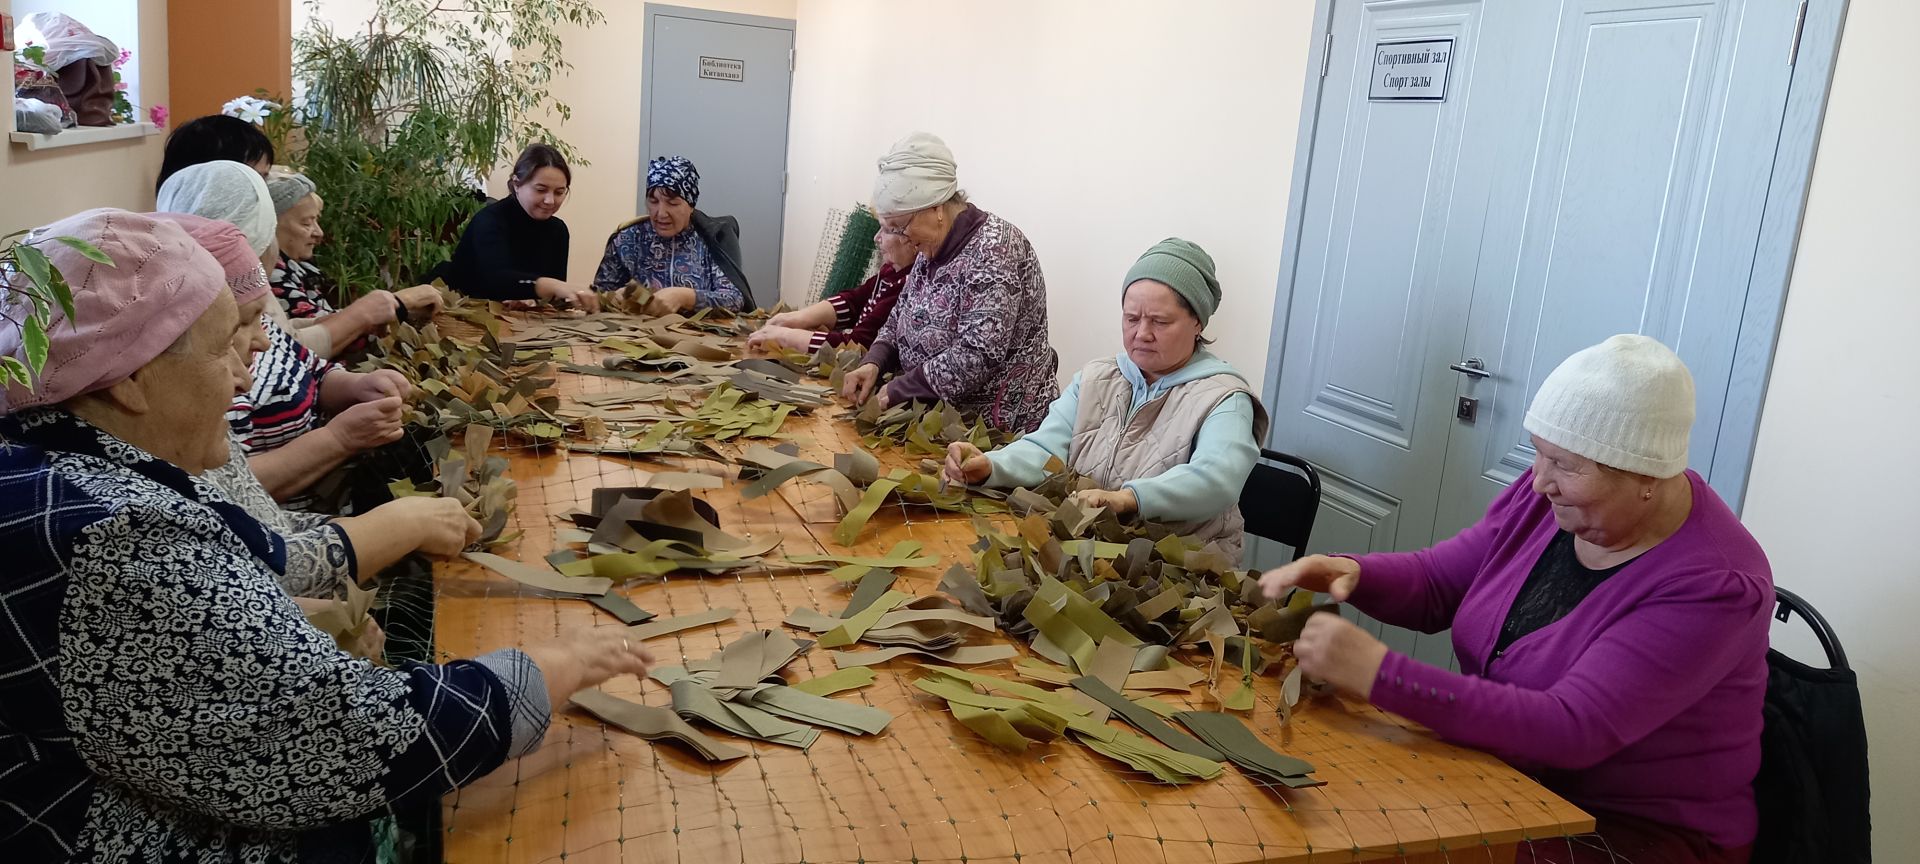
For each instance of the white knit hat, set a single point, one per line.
(1626, 403)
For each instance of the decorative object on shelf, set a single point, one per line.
(84, 62)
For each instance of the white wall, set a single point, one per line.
(1836, 470)
(1098, 128)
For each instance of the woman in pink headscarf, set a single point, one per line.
(161, 697)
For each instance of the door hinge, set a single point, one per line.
(1799, 28)
(1326, 55)
(789, 59)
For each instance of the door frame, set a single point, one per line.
(1759, 330)
(655, 10)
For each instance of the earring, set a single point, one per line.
(1646, 495)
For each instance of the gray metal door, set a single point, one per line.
(1629, 202)
(717, 90)
(1595, 167)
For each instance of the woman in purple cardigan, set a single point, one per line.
(1609, 615)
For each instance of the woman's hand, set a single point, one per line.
(421, 301)
(773, 334)
(379, 384)
(1323, 574)
(374, 310)
(1334, 650)
(966, 464)
(587, 657)
(819, 316)
(1121, 502)
(858, 385)
(668, 301)
(367, 425)
(441, 525)
(586, 299)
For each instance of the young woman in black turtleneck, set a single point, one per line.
(516, 248)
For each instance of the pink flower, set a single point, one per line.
(125, 55)
(158, 114)
(120, 86)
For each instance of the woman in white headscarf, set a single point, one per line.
(970, 328)
(303, 415)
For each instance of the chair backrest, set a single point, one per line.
(1813, 788)
(1787, 604)
(1280, 504)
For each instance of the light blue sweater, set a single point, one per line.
(1223, 452)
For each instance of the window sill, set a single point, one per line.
(84, 135)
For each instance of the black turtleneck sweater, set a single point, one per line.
(503, 252)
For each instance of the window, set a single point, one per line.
(117, 20)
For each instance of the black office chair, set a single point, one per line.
(1279, 504)
(1812, 788)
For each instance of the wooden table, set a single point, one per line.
(927, 789)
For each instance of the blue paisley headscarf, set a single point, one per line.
(677, 175)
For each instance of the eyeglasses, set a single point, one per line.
(900, 230)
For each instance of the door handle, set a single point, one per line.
(1472, 367)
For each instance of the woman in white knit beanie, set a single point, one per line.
(1609, 615)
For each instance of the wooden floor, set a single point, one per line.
(927, 789)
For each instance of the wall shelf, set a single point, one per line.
(84, 135)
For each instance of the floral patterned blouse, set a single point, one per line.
(970, 328)
(638, 253)
(161, 699)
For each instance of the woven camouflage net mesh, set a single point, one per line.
(926, 789)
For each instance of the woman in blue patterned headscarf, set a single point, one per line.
(689, 259)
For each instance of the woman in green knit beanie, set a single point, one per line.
(1167, 430)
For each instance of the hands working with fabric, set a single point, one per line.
(854, 316)
(859, 384)
(966, 464)
(584, 658)
(1330, 648)
(422, 302)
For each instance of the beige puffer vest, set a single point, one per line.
(1112, 448)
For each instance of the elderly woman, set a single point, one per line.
(216, 195)
(691, 259)
(971, 324)
(516, 247)
(302, 290)
(1609, 615)
(851, 317)
(279, 419)
(164, 698)
(1166, 429)
(323, 552)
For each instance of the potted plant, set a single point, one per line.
(30, 288)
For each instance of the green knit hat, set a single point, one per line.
(1184, 267)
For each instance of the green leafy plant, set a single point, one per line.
(399, 122)
(32, 287)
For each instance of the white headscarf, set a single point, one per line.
(917, 173)
(227, 191)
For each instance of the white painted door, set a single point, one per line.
(718, 92)
(1596, 166)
